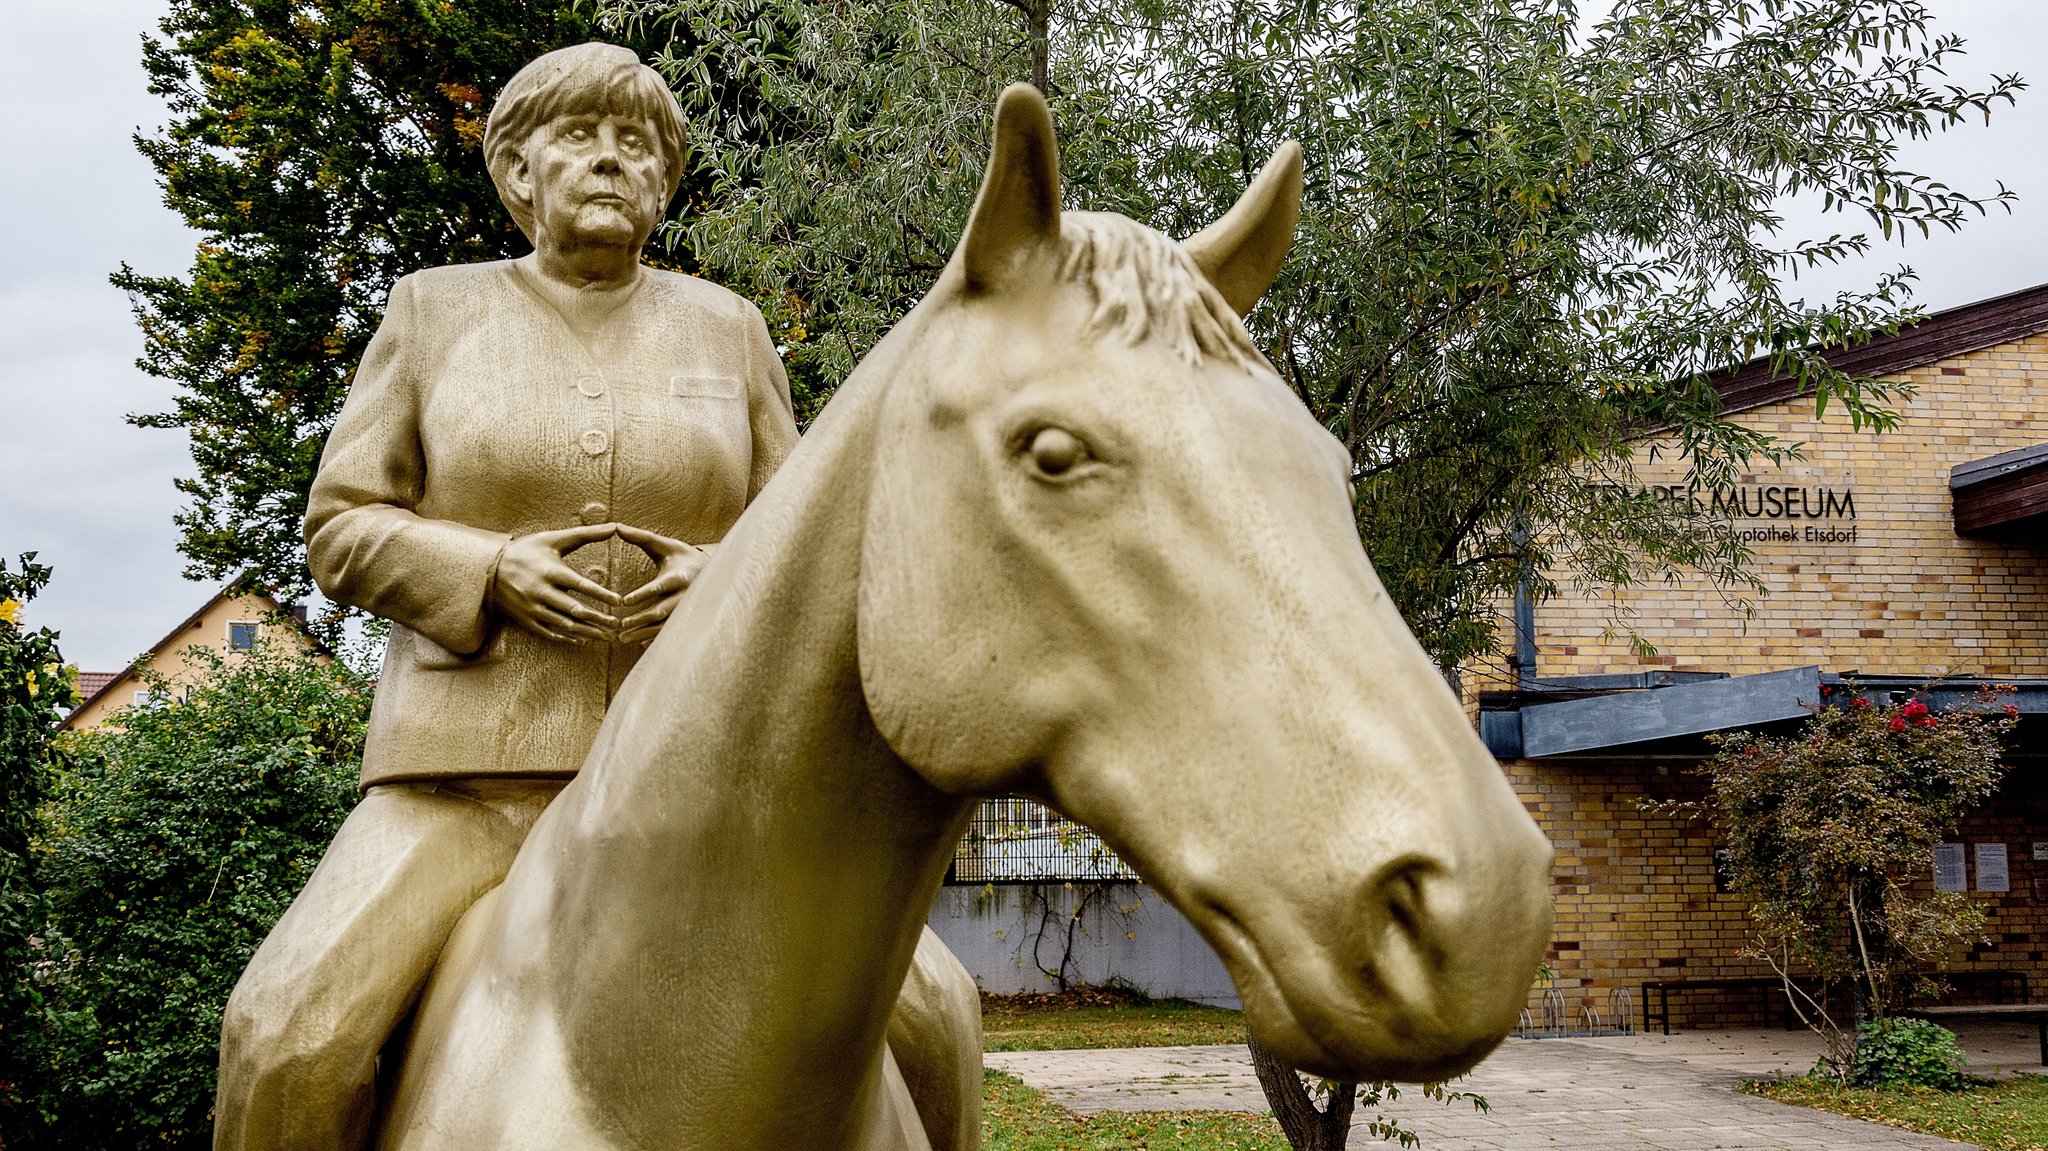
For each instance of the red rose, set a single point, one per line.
(1913, 709)
(1896, 724)
(1859, 701)
(2012, 711)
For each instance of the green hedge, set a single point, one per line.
(172, 840)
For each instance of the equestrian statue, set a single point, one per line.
(1063, 533)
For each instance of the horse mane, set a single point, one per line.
(1145, 286)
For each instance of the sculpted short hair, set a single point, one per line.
(594, 78)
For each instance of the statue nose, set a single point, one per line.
(606, 158)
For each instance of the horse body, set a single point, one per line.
(1061, 534)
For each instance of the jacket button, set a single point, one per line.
(590, 386)
(595, 442)
(595, 512)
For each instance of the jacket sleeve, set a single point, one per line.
(769, 410)
(366, 544)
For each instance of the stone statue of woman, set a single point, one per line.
(532, 462)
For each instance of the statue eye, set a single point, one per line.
(1054, 451)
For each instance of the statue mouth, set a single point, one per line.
(1266, 1008)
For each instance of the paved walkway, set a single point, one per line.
(1670, 1092)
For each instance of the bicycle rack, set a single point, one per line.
(1622, 1001)
(1551, 1020)
(1554, 1019)
(1618, 1019)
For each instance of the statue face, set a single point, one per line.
(596, 178)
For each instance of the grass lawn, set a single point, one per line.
(1016, 1118)
(1097, 1017)
(2008, 1115)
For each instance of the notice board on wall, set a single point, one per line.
(1992, 873)
(1948, 868)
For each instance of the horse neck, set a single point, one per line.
(745, 863)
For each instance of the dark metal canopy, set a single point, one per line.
(2003, 496)
(1602, 716)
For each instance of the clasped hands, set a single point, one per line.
(537, 589)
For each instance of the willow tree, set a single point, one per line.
(1527, 240)
(1529, 237)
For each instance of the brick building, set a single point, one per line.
(1915, 556)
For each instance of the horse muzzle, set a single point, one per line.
(1415, 977)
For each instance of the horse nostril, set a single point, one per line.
(1402, 892)
(1400, 954)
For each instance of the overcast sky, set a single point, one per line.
(93, 495)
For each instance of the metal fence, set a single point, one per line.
(1016, 840)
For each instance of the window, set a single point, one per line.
(241, 635)
(141, 699)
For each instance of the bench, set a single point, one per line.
(1999, 985)
(2004, 988)
(1660, 990)
(2038, 1012)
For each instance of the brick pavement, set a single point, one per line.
(1673, 1094)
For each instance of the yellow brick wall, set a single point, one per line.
(1635, 898)
(1909, 596)
(1635, 894)
(1634, 891)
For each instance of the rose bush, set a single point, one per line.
(1830, 832)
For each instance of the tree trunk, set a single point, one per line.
(1307, 1127)
(1038, 17)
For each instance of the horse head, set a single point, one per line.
(1110, 560)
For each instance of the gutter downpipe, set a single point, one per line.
(1525, 613)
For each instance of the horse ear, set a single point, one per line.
(1241, 253)
(1017, 214)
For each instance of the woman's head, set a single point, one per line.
(588, 80)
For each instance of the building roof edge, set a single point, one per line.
(1940, 336)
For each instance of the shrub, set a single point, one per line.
(1907, 1053)
(174, 838)
(33, 686)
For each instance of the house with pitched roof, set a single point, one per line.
(229, 622)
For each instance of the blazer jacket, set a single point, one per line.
(478, 414)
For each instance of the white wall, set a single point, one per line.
(1128, 932)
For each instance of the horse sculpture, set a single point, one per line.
(1063, 534)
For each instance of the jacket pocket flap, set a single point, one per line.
(427, 655)
(715, 387)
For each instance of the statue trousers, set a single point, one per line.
(340, 972)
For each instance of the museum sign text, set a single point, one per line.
(1772, 511)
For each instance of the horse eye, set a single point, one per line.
(1055, 451)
